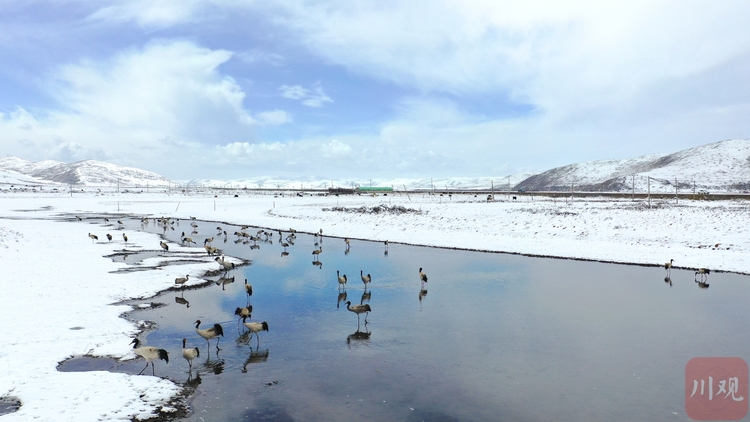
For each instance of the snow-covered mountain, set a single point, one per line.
(719, 166)
(87, 173)
(716, 167)
(456, 183)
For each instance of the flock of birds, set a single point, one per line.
(216, 331)
(703, 272)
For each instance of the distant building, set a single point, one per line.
(372, 189)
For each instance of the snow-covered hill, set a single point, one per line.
(457, 183)
(719, 166)
(87, 173)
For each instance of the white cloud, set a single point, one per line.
(273, 118)
(256, 55)
(311, 97)
(335, 148)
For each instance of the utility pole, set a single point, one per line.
(693, 190)
(676, 198)
(649, 191)
(493, 189)
(633, 196)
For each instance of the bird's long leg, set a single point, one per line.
(217, 342)
(366, 315)
(144, 368)
(152, 368)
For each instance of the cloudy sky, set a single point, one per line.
(229, 89)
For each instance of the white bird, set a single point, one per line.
(163, 245)
(255, 328)
(365, 278)
(124, 237)
(93, 237)
(189, 354)
(342, 279)
(317, 252)
(359, 309)
(248, 288)
(181, 280)
(209, 333)
(150, 354)
(226, 265)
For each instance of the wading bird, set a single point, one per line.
(365, 278)
(359, 309)
(255, 328)
(189, 354)
(150, 354)
(342, 280)
(93, 237)
(124, 237)
(163, 245)
(181, 280)
(668, 267)
(209, 333)
(422, 276)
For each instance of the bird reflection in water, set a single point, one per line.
(182, 301)
(341, 298)
(256, 356)
(422, 294)
(366, 296)
(223, 281)
(702, 284)
(194, 381)
(358, 337)
(668, 280)
(284, 253)
(318, 264)
(216, 365)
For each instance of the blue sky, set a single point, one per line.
(229, 89)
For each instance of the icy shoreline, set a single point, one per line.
(57, 278)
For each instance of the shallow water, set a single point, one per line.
(495, 337)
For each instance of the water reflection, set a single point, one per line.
(182, 301)
(255, 356)
(422, 294)
(539, 331)
(341, 298)
(223, 281)
(358, 336)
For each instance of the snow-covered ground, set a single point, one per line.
(58, 293)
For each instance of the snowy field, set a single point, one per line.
(59, 293)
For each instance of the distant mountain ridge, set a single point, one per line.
(87, 172)
(723, 165)
(718, 166)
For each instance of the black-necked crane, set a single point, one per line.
(243, 313)
(422, 276)
(348, 244)
(149, 353)
(163, 245)
(704, 272)
(359, 309)
(189, 354)
(224, 264)
(248, 289)
(342, 279)
(182, 280)
(210, 333)
(317, 252)
(255, 328)
(106, 220)
(208, 241)
(124, 237)
(668, 266)
(109, 237)
(78, 218)
(93, 237)
(365, 278)
(119, 223)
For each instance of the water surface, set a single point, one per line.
(493, 337)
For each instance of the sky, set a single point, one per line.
(229, 89)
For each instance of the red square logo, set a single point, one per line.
(716, 389)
